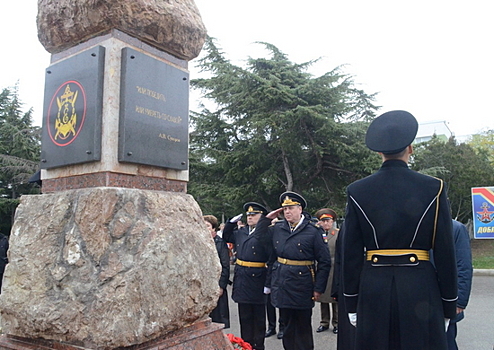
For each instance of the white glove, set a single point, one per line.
(267, 290)
(446, 323)
(236, 218)
(353, 318)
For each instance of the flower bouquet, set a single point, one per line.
(238, 343)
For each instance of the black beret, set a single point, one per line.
(252, 208)
(391, 132)
(291, 198)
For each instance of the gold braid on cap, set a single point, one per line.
(250, 210)
(326, 216)
(288, 201)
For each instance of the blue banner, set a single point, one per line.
(483, 212)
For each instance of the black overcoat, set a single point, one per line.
(4, 247)
(249, 282)
(221, 314)
(346, 332)
(292, 286)
(396, 208)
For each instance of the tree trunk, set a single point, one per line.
(288, 172)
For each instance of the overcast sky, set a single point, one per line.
(432, 58)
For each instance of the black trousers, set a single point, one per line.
(253, 324)
(298, 329)
(271, 313)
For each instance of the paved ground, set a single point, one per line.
(475, 332)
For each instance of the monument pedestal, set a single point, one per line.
(108, 267)
(100, 260)
(201, 335)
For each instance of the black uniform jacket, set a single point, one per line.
(292, 286)
(249, 282)
(346, 332)
(397, 208)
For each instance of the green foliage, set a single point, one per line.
(483, 144)
(19, 154)
(459, 166)
(274, 127)
(482, 253)
(483, 262)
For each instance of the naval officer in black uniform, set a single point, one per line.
(393, 293)
(296, 279)
(249, 279)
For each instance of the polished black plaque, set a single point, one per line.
(72, 111)
(154, 112)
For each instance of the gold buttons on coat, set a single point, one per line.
(375, 259)
(412, 259)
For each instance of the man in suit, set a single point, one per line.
(296, 280)
(393, 293)
(327, 218)
(249, 279)
(465, 272)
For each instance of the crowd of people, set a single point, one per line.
(396, 276)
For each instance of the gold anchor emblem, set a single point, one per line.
(66, 116)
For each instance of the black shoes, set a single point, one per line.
(321, 329)
(280, 335)
(335, 330)
(270, 332)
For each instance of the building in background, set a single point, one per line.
(439, 128)
(429, 129)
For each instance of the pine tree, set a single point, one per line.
(275, 127)
(19, 154)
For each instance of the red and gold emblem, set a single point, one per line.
(66, 121)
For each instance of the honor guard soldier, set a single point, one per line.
(300, 271)
(393, 293)
(252, 253)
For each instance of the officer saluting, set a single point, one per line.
(253, 251)
(393, 293)
(296, 282)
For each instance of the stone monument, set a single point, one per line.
(114, 254)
